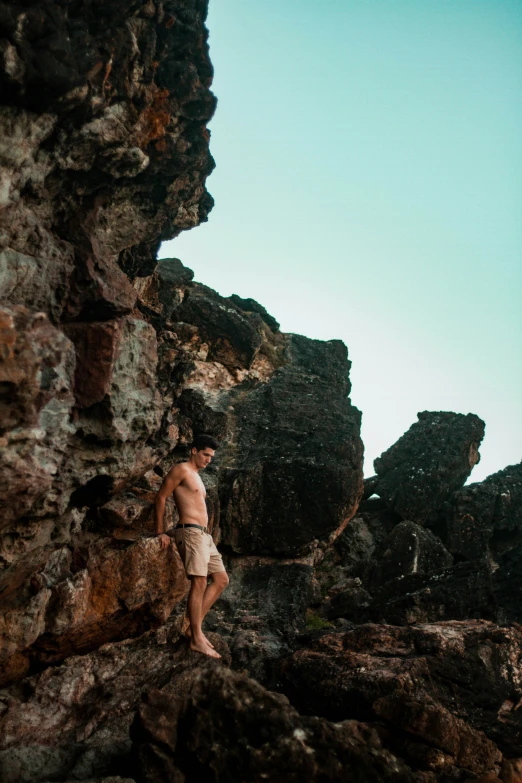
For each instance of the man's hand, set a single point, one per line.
(165, 540)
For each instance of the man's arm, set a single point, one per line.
(173, 478)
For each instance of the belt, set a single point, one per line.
(199, 527)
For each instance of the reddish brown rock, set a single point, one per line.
(36, 368)
(435, 676)
(72, 721)
(229, 727)
(62, 608)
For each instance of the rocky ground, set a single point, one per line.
(370, 630)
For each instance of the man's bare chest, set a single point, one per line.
(193, 486)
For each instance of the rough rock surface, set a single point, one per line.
(36, 379)
(263, 608)
(73, 720)
(409, 549)
(104, 146)
(230, 728)
(419, 473)
(110, 361)
(104, 389)
(453, 687)
(297, 440)
(487, 516)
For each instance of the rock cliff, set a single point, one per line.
(383, 610)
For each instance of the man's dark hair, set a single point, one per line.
(203, 441)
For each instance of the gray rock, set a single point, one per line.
(486, 515)
(409, 549)
(419, 473)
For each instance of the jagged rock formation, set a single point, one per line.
(110, 361)
(231, 728)
(418, 474)
(486, 518)
(447, 692)
(386, 568)
(73, 720)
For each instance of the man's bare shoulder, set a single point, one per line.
(178, 471)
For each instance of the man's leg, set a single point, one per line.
(218, 583)
(212, 592)
(197, 592)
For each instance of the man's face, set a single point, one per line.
(203, 458)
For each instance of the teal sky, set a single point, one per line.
(369, 188)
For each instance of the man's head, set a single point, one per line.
(202, 450)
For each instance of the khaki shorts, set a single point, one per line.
(198, 552)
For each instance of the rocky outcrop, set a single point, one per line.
(110, 362)
(104, 153)
(296, 479)
(230, 728)
(104, 147)
(72, 721)
(447, 692)
(419, 473)
(486, 517)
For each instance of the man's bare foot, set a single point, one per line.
(187, 631)
(204, 649)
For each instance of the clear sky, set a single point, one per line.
(369, 188)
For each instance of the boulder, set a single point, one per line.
(357, 543)
(351, 558)
(463, 591)
(409, 549)
(74, 601)
(233, 339)
(296, 474)
(161, 293)
(229, 727)
(487, 515)
(460, 592)
(352, 602)
(433, 459)
(251, 306)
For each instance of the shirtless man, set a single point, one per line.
(196, 547)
